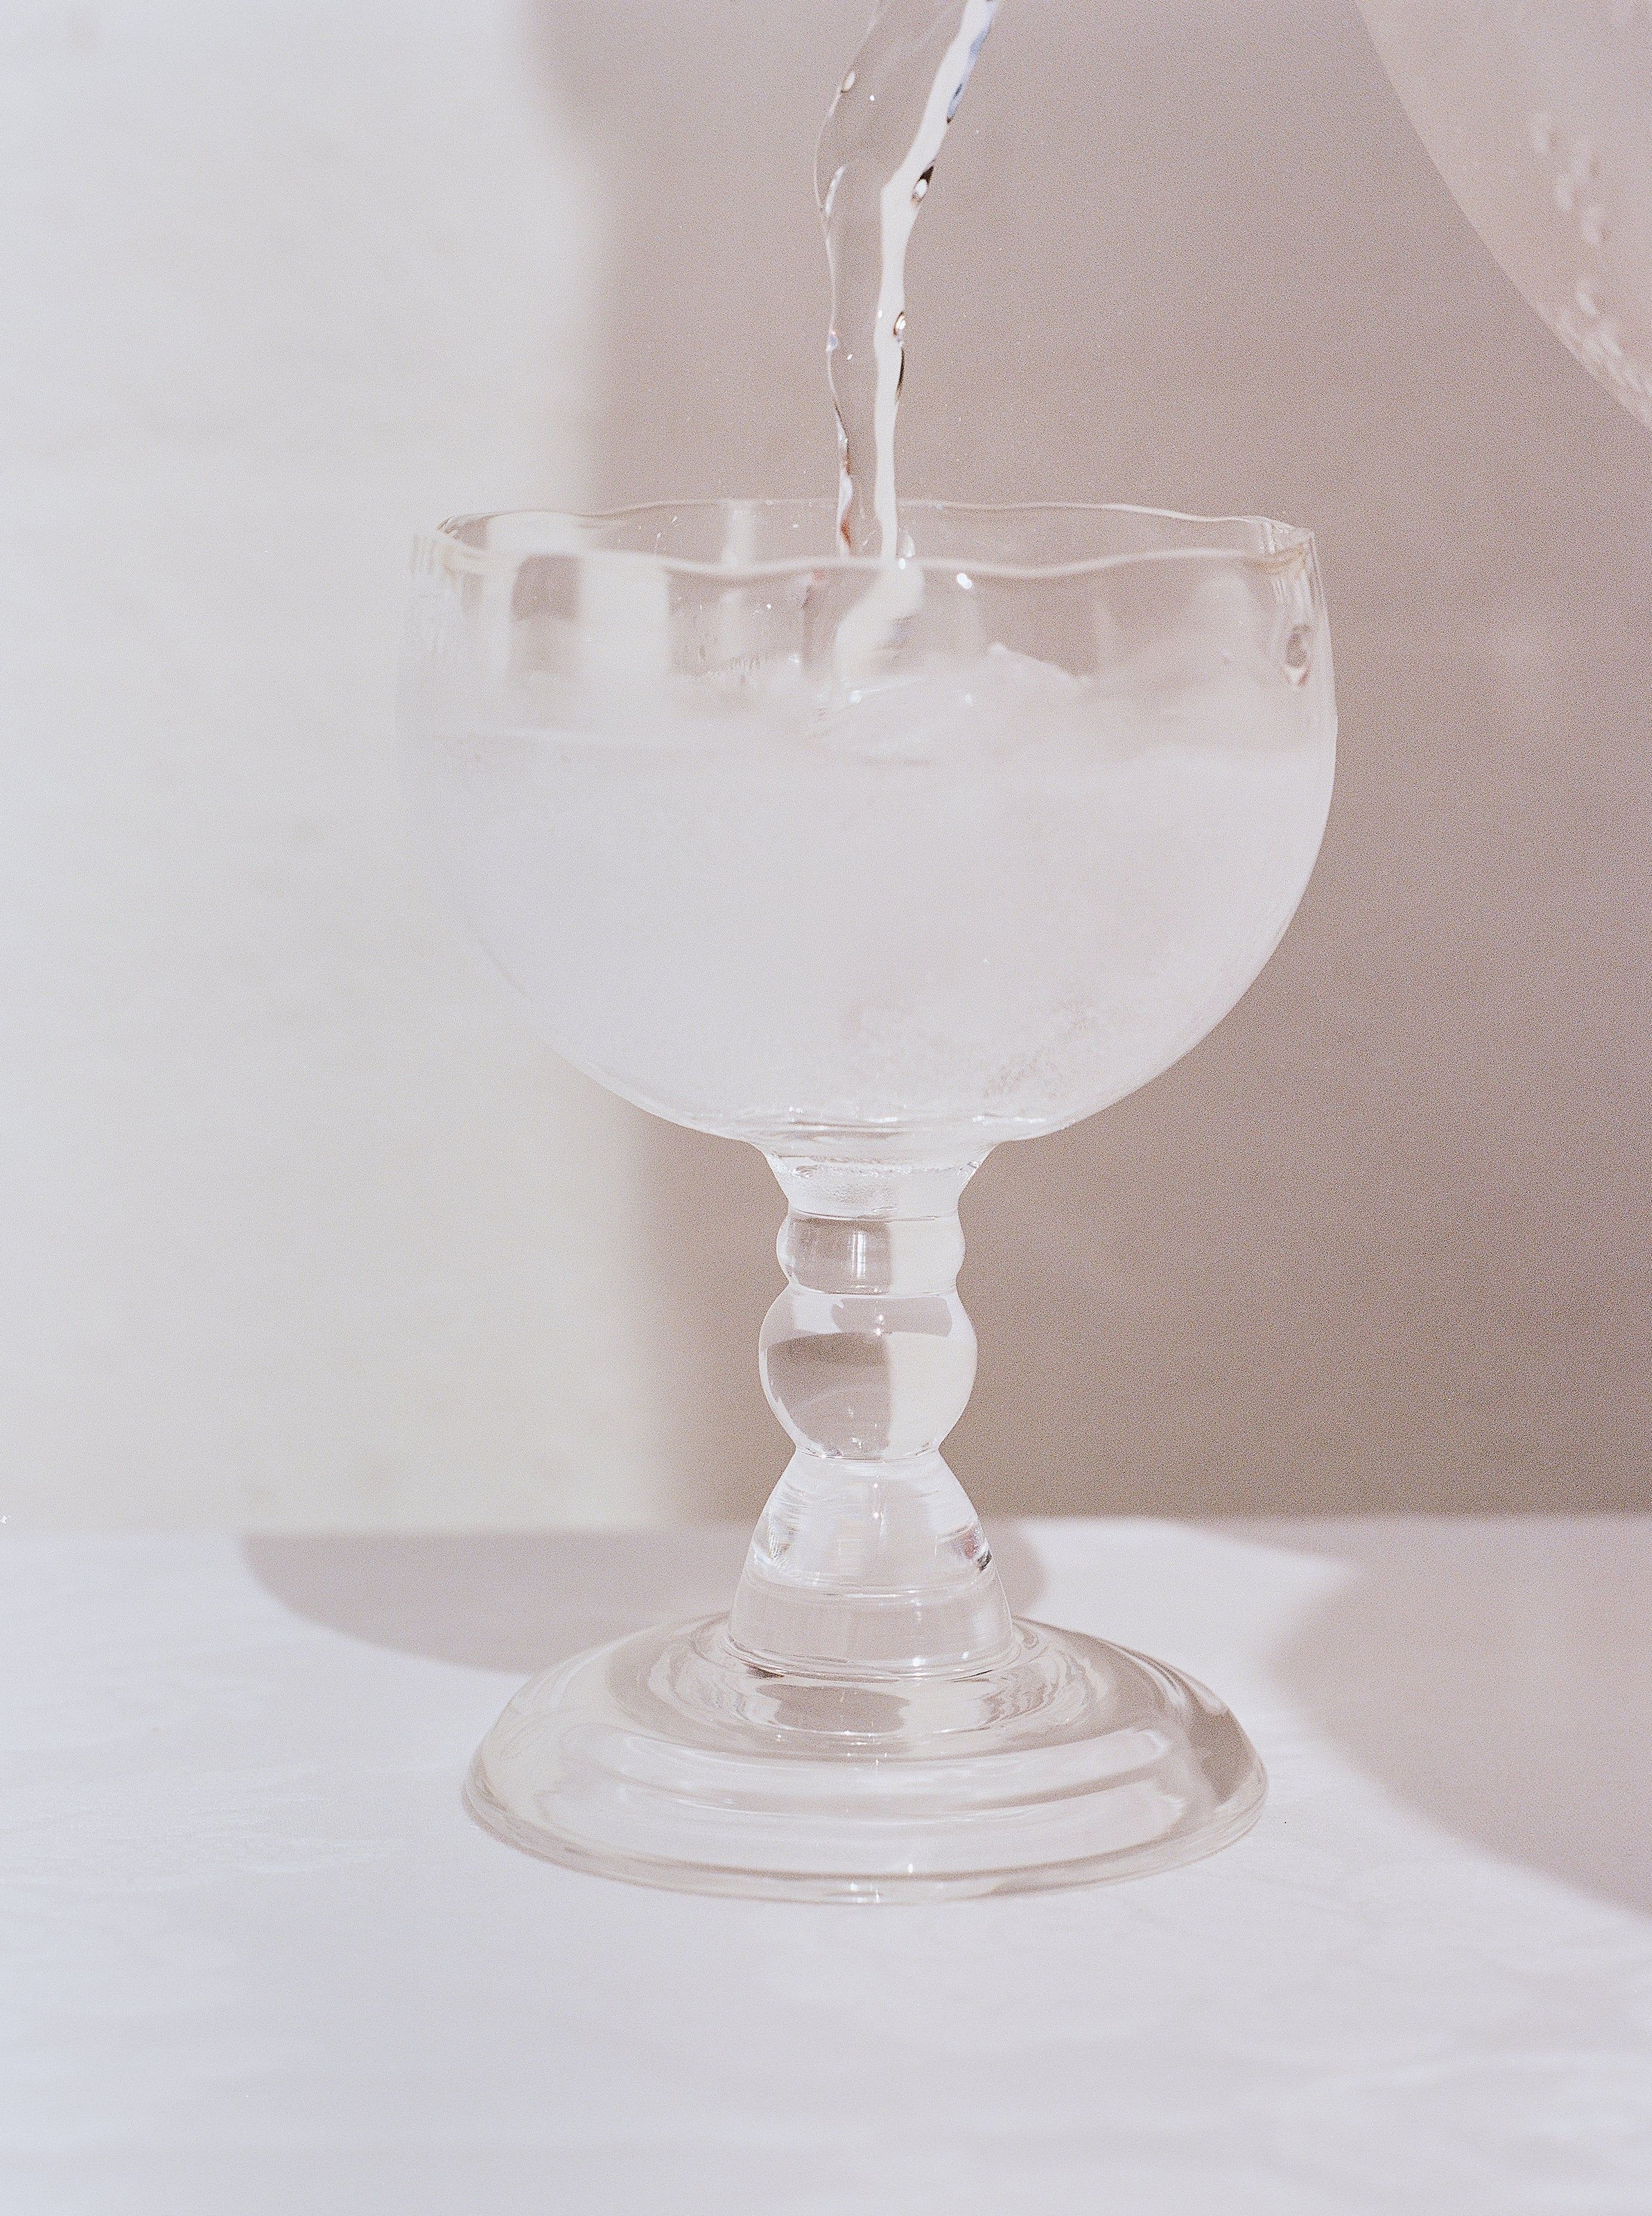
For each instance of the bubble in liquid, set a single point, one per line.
(1298, 651)
(899, 325)
(923, 185)
(848, 84)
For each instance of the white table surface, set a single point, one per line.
(256, 1959)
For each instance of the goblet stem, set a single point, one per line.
(869, 1560)
(867, 1724)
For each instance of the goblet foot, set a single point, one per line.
(672, 1758)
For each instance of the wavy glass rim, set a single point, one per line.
(1282, 543)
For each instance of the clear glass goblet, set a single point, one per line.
(873, 867)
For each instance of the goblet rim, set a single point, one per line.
(1273, 544)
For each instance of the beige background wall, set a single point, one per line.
(302, 1227)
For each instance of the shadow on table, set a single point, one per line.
(522, 1600)
(1495, 1675)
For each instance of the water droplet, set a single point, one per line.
(848, 84)
(923, 185)
(965, 582)
(1594, 227)
(1299, 649)
(831, 342)
(899, 325)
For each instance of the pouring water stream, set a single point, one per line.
(872, 168)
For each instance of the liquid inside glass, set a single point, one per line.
(977, 896)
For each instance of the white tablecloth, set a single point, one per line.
(256, 1959)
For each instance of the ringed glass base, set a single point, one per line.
(672, 1758)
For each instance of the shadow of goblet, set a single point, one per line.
(521, 1600)
(1492, 1675)
(1495, 1675)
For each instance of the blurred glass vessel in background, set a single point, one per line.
(1539, 115)
(1000, 866)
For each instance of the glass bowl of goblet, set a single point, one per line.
(876, 866)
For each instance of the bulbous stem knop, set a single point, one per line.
(869, 1558)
